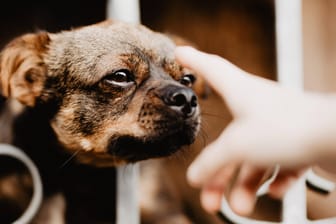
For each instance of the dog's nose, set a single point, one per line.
(181, 99)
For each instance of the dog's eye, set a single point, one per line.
(121, 77)
(188, 80)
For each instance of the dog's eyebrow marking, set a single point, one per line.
(138, 60)
(172, 68)
(139, 52)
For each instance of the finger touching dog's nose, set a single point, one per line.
(182, 100)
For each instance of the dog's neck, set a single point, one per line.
(30, 130)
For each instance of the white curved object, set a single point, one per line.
(34, 205)
(294, 202)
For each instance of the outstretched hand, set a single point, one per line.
(271, 125)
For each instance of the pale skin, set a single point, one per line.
(271, 125)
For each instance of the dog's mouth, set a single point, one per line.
(133, 149)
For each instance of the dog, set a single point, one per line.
(83, 101)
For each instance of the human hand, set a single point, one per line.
(240, 185)
(271, 125)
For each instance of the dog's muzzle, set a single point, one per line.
(180, 99)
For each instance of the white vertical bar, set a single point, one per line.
(124, 10)
(127, 195)
(289, 43)
(127, 176)
(290, 74)
(294, 205)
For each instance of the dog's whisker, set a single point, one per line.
(69, 159)
(180, 156)
(214, 115)
(203, 137)
(204, 126)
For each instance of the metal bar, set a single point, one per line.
(127, 195)
(124, 10)
(289, 43)
(290, 74)
(127, 176)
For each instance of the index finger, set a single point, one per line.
(220, 73)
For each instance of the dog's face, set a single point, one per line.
(117, 92)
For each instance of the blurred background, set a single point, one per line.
(243, 31)
(240, 30)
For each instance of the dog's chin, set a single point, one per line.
(133, 149)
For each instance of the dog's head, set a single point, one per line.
(118, 94)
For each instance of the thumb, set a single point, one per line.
(215, 157)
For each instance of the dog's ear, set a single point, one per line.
(22, 68)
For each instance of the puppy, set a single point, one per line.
(82, 101)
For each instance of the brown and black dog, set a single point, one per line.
(82, 101)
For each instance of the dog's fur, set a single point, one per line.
(81, 101)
